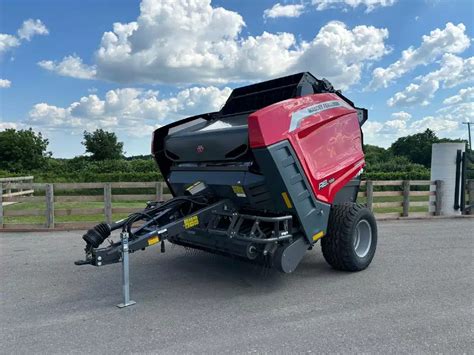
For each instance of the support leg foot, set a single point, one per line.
(123, 305)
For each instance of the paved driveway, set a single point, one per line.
(417, 296)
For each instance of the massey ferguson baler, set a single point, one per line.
(274, 171)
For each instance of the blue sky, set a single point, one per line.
(66, 68)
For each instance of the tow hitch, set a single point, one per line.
(248, 236)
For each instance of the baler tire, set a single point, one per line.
(338, 245)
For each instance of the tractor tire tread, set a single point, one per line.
(337, 245)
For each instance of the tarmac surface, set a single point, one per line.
(416, 297)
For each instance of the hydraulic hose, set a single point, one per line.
(95, 236)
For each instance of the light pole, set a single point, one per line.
(469, 131)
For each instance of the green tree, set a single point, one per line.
(102, 145)
(375, 154)
(22, 150)
(416, 147)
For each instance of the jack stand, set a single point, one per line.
(125, 273)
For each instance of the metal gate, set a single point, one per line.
(464, 189)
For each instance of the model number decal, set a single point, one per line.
(325, 183)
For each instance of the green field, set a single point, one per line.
(25, 206)
(95, 218)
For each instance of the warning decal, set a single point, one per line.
(239, 191)
(191, 222)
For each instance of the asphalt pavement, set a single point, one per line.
(416, 297)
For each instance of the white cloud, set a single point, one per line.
(415, 94)
(451, 39)
(278, 10)
(371, 128)
(402, 115)
(9, 125)
(436, 124)
(383, 134)
(135, 112)
(31, 28)
(445, 123)
(453, 71)
(462, 112)
(370, 5)
(183, 42)
(463, 95)
(70, 66)
(7, 42)
(48, 115)
(396, 124)
(339, 53)
(4, 83)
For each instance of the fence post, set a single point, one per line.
(108, 202)
(438, 197)
(49, 206)
(470, 189)
(406, 198)
(369, 194)
(159, 190)
(1, 205)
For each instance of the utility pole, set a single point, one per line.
(469, 131)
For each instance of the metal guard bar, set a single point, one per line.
(233, 231)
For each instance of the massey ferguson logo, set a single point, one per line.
(199, 149)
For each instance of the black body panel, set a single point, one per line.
(349, 192)
(279, 161)
(243, 188)
(207, 145)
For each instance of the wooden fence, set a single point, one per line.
(398, 197)
(14, 186)
(403, 189)
(49, 199)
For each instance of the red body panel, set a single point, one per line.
(328, 142)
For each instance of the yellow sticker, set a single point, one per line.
(191, 222)
(193, 185)
(153, 240)
(239, 191)
(287, 200)
(318, 236)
